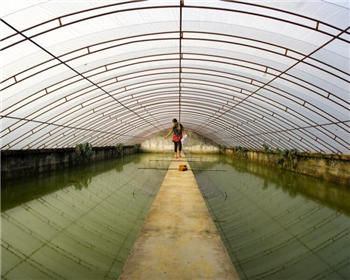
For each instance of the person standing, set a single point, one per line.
(178, 131)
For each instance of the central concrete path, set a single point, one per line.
(178, 240)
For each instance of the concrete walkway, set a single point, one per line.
(178, 240)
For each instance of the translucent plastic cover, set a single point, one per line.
(242, 73)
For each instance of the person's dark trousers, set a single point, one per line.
(177, 144)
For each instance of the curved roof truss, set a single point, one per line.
(239, 72)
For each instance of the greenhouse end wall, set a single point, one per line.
(195, 143)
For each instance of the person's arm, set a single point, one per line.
(166, 136)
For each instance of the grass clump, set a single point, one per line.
(83, 152)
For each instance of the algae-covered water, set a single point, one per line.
(81, 223)
(76, 223)
(277, 224)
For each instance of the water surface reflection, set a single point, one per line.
(76, 223)
(277, 224)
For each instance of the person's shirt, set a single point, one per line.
(178, 129)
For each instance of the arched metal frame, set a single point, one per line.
(232, 100)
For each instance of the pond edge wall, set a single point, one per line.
(335, 168)
(22, 163)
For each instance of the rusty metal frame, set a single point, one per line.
(289, 68)
(14, 77)
(59, 19)
(78, 73)
(212, 119)
(303, 101)
(160, 103)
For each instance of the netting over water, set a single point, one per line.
(239, 72)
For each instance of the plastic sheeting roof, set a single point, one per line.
(239, 72)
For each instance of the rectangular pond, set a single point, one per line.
(76, 223)
(81, 223)
(277, 224)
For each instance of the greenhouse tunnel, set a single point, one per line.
(90, 186)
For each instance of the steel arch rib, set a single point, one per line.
(146, 111)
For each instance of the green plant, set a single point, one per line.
(222, 148)
(280, 159)
(287, 157)
(293, 157)
(241, 151)
(293, 153)
(119, 148)
(82, 182)
(266, 148)
(83, 152)
(285, 153)
(137, 147)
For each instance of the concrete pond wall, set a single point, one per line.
(21, 163)
(195, 143)
(334, 168)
